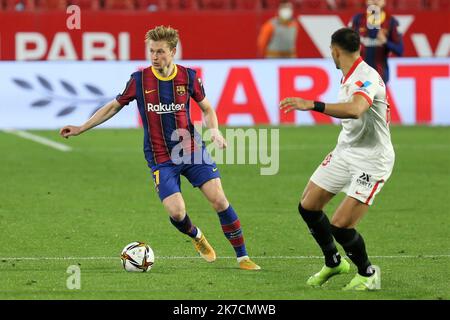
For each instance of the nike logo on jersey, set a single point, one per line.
(215, 169)
(150, 91)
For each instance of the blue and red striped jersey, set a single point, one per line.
(374, 53)
(164, 107)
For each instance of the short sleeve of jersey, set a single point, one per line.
(128, 94)
(366, 86)
(198, 92)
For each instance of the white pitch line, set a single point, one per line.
(227, 257)
(39, 139)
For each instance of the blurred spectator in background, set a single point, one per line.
(278, 36)
(379, 36)
(17, 5)
(332, 4)
(150, 5)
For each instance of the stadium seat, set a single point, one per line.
(390, 5)
(151, 5)
(214, 4)
(359, 5)
(119, 4)
(270, 4)
(246, 4)
(444, 5)
(297, 5)
(438, 4)
(86, 4)
(19, 5)
(181, 4)
(409, 5)
(51, 4)
(355, 5)
(313, 5)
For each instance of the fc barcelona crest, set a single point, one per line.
(181, 90)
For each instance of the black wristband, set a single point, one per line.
(319, 106)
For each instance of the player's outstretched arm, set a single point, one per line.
(346, 110)
(212, 123)
(102, 114)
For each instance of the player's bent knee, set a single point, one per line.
(311, 202)
(176, 210)
(344, 236)
(177, 214)
(220, 204)
(341, 222)
(309, 215)
(310, 206)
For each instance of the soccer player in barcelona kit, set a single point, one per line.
(359, 165)
(379, 34)
(172, 146)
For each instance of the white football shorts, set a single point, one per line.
(359, 178)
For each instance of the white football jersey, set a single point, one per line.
(369, 135)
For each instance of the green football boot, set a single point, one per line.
(361, 283)
(326, 273)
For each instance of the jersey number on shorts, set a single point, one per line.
(156, 176)
(327, 160)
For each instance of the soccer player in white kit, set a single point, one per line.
(359, 165)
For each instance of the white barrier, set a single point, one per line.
(48, 95)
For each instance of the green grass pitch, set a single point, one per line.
(82, 207)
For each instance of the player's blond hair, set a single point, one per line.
(163, 33)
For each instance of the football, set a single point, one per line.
(137, 257)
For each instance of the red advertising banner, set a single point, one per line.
(243, 92)
(204, 35)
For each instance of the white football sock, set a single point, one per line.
(239, 259)
(199, 233)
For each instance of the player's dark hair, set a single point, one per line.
(347, 39)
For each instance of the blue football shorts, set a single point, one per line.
(166, 176)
